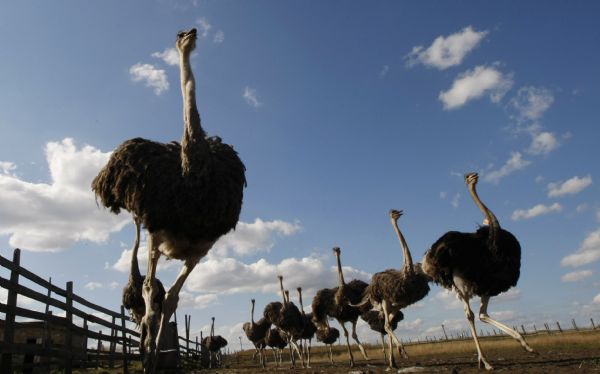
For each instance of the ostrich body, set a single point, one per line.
(256, 332)
(376, 321)
(484, 263)
(214, 343)
(339, 303)
(328, 336)
(277, 340)
(186, 195)
(392, 290)
(308, 329)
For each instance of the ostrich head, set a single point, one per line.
(471, 179)
(395, 214)
(336, 251)
(186, 41)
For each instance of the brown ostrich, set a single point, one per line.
(308, 329)
(376, 322)
(186, 195)
(484, 263)
(339, 303)
(256, 333)
(214, 343)
(277, 340)
(392, 290)
(328, 336)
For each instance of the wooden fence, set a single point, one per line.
(58, 341)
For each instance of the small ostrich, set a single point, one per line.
(288, 318)
(339, 303)
(256, 332)
(392, 290)
(186, 195)
(213, 343)
(277, 340)
(308, 329)
(328, 336)
(484, 263)
(376, 322)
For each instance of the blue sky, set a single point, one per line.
(340, 111)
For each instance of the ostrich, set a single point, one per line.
(288, 318)
(376, 322)
(308, 328)
(276, 339)
(187, 196)
(213, 343)
(392, 290)
(256, 332)
(338, 303)
(328, 336)
(484, 263)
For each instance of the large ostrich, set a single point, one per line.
(392, 290)
(288, 318)
(277, 340)
(484, 263)
(256, 332)
(328, 336)
(376, 321)
(336, 303)
(186, 195)
(308, 329)
(213, 343)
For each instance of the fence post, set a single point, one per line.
(444, 330)
(69, 333)
(124, 334)
(574, 324)
(534, 328)
(98, 349)
(523, 329)
(188, 321)
(558, 325)
(47, 335)
(11, 304)
(113, 343)
(547, 327)
(593, 325)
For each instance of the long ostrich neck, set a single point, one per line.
(282, 291)
(407, 257)
(135, 269)
(340, 272)
(212, 328)
(193, 134)
(252, 313)
(300, 299)
(492, 220)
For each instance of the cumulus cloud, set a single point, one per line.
(569, 187)
(152, 77)
(251, 97)
(514, 163)
(448, 299)
(474, 84)
(230, 276)
(204, 26)
(537, 210)
(93, 286)
(53, 216)
(511, 294)
(576, 276)
(219, 37)
(446, 51)
(596, 299)
(531, 102)
(7, 167)
(170, 56)
(543, 143)
(188, 300)
(588, 251)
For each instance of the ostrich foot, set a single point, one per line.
(485, 363)
(148, 342)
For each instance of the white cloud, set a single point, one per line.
(448, 299)
(455, 200)
(151, 76)
(539, 179)
(588, 251)
(230, 276)
(531, 102)
(543, 143)
(448, 51)
(113, 285)
(187, 299)
(511, 294)
(514, 163)
(504, 315)
(581, 208)
(537, 210)
(204, 26)
(576, 276)
(7, 167)
(570, 187)
(170, 56)
(596, 299)
(219, 37)
(93, 286)
(475, 83)
(123, 264)
(53, 216)
(251, 97)
(384, 70)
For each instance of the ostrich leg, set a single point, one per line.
(149, 322)
(383, 347)
(471, 320)
(484, 317)
(347, 343)
(360, 346)
(388, 329)
(330, 354)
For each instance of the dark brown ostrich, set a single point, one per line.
(376, 321)
(484, 263)
(338, 303)
(328, 336)
(392, 290)
(256, 332)
(214, 343)
(186, 195)
(308, 329)
(277, 340)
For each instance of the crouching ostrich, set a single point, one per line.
(186, 195)
(376, 321)
(328, 336)
(484, 263)
(392, 290)
(256, 333)
(213, 343)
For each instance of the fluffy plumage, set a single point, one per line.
(328, 335)
(376, 320)
(403, 288)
